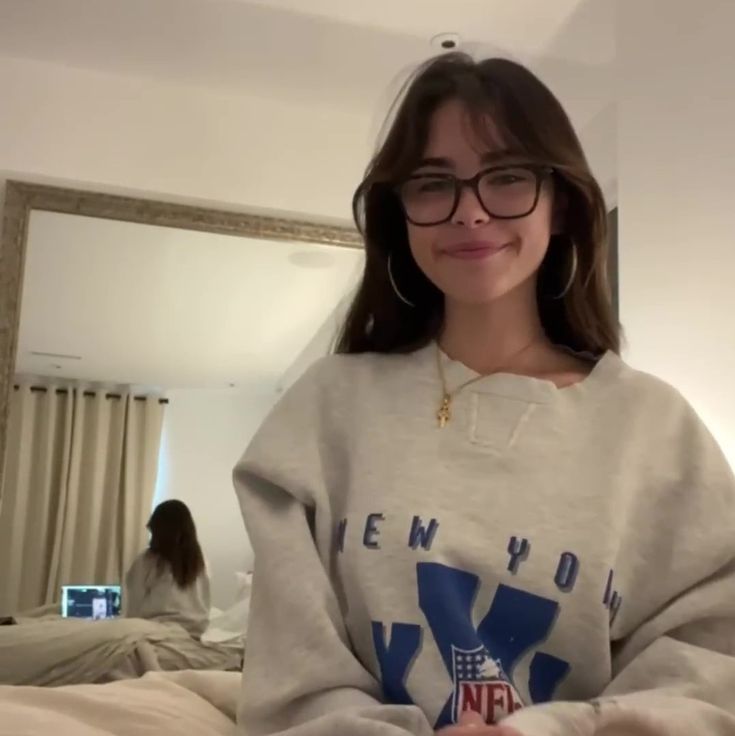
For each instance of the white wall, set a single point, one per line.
(204, 434)
(123, 134)
(676, 145)
(149, 137)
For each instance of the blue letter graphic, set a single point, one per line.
(421, 535)
(395, 660)
(516, 622)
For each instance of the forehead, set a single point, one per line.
(453, 129)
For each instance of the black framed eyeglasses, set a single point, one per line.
(506, 192)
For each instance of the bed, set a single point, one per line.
(57, 651)
(45, 649)
(165, 704)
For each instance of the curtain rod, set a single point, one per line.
(65, 391)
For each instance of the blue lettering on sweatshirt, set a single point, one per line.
(395, 659)
(421, 536)
(480, 660)
(370, 537)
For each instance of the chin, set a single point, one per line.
(478, 295)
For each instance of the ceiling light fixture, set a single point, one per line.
(446, 41)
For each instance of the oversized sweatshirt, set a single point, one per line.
(153, 594)
(561, 560)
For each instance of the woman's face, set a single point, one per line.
(475, 258)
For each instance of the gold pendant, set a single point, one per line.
(445, 411)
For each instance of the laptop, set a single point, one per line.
(95, 602)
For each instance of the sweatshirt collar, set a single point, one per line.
(524, 388)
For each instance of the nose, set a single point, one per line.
(469, 212)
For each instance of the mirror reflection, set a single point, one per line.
(147, 356)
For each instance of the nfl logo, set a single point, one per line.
(481, 685)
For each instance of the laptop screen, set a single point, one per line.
(90, 601)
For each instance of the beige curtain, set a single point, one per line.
(79, 479)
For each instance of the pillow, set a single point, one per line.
(233, 622)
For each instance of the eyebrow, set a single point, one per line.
(490, 157)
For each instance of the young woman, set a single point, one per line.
(476, 512)
(169, 581)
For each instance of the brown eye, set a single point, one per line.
(428, 185)
(509, 178)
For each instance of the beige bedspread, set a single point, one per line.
(165, 704)
(56, 651)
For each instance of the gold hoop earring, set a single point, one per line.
(393, 284)
(572, 275)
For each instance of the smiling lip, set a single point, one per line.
(473, 250)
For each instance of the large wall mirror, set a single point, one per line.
(141, 344)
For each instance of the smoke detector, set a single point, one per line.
(446, 41)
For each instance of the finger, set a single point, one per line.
(471, 718)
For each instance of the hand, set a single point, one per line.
(472, 724)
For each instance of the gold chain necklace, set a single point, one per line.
(444, 414)
(445, 408)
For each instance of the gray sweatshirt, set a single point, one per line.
(156, 596)
(558, 559)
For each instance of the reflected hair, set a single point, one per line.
(532, 122)
(174, 544)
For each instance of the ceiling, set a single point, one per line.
(165, 308)
(488, 22)
(334, 52)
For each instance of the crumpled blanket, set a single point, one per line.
(166, 704)
(56, 651)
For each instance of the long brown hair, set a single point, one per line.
(532, 121)
(174, 542)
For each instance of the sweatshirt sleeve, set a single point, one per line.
(301, 677)
(674, 672)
